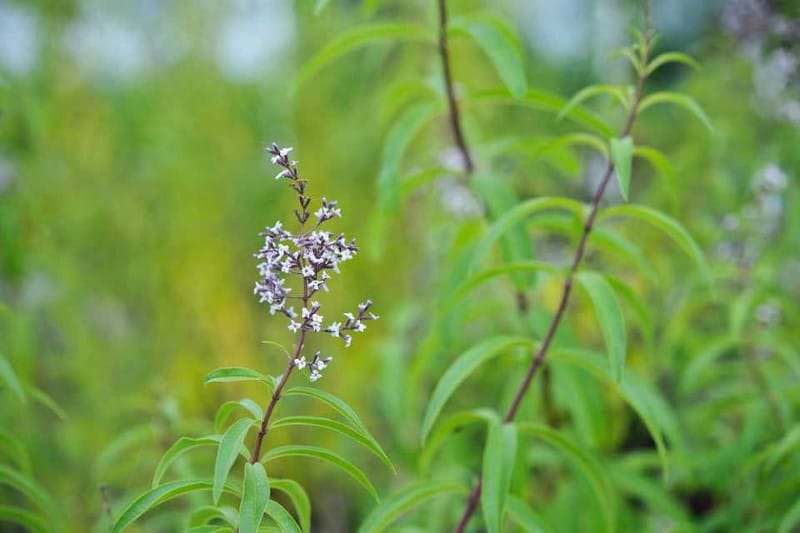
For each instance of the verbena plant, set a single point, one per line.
(294, 270)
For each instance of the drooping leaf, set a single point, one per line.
(13, 451)
(668, 225)
(499, 456)
(399, 137)
(44, 399)
(255, 497)
(498, 41)
(491, 273)
(325, 455)
(365, 439)
(229, 448)
(526, 518)
(615, 91)
(10, 379)
(282, 518)
(297, 495)
(608, 240)
(27, 487)
(131, 439)
(584, 463)
(226, 409)
(791, 520)
(622, 155)
(359, 37)
(158, 495)
(450, 425)
(681, 100)
(671, 57)
(463, 366)
(236, 373)
(22, 517)
(404, 500)
(609, 316)
(181, 446)
(332, 401)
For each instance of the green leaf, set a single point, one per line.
(464, 365)
(515, 216)
(210, 529)
(23, 517)
(499, 456)
(47, 401)
(359, 37)
(325, 455)
(320, 5)
(404, 500)
(365, 439)
(158, 495)
(332, 401)
(298, 497)
(13, 450)
(229, 448)
(791, 519)
(451, 424)
(498, 41)
(181, 446)
(668, 225)
(671, 57)
(584, 462)
(594, 90)
(608, 240)
(282, 518)
(10, 378)
(571, 139)
(225, 410)
(609, 316)
(399, 137)
(236, 373)
(255, 497)
(27, 487)
(491, 273)
(678, 99)
(621, 155)
(526, 518)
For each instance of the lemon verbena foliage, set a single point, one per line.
(306, 259)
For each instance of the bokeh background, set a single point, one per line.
(133, 183)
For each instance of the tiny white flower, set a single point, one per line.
(350, 316)
(347, 341)
(300, 363)
(294, 326)
(307, 271)
(360, 326)
(333, 329)
(314, 376)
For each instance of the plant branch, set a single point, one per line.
(474, 497)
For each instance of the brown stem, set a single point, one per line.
(455, 119)
(541, 353)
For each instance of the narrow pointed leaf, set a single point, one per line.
(297, 495)
(526, 518)
(45, 400)
(622, 155)
(181, 446)
(255, 497)
(791, 520)
(27, 487)
(448, 426)
(680, 100)
(592, 91)
(463, 366)
(671, 57)
(325, 455)
(282, 518)
(229, 447)
(235, 373)
(10, 379)
(609, 316)
(404, 501)
(499, 456)
(320, 5)
(16, 515)
(332, 401)
(357, 435)
(226, 409)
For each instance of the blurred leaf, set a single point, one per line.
(620, 93)
(610, 241)
(499, 456)
(332, 401)
(609, 316)
(229, 448)
(450, 425)
(585, 139)
(14, 451)
(210, 529)
(23, 517)
(400, 135)
(666, 224)
(130, 440)
(365, 439)
(10, 378)
(671, 57)
(788, 444)
(302, 505)
(652, 494)
(255, 497)
(44, 399)
(491, 273)
(325, 455)
(158, 495)
(282, 518)
(404, 500)
(181, 446)
(464, 365)
(235, 373)
(791, 519)
(526, 518)
(27, 487)
(680, 100)
(359, 37)
(225, 410)
(498, 41)
(584, 462)
(621, 155)
(637, 303)
(320, 5)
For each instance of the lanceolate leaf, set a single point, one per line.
(281, 516)
(609, 316)
(680, 100)
(235, 373)
(463, 366)
(357, 435)
(671, 57)
(181, 446)
(9, 378)
(622, 155)
(526, 518)
(332, 401)
(791, 519)
(297, 494)
(359, 37)
(158, 495)
(404, 500)
(499, 456)
(325, 455)
(594, 90)
(450, 425)
(584, 463)
(228, 450)
(491, 273)
(255, 497)
(498, 41)
(666, 224)
(227, 408)
(16, 515)
(27, 487)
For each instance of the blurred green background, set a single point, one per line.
(133, 183)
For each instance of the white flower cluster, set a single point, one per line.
(310, 256)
